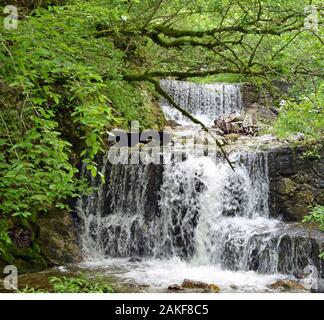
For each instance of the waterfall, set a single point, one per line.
(198, 210)
(205, 101)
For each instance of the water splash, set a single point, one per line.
(199, 210)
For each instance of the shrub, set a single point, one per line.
(78, 285)
(305, 117)
(316, 215)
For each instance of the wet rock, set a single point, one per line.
(287, 285)
(57, 237)
(172, 124)
(249, 120)
(213, 288)
(296, 181)
(306, 196)
(191, 284)
(261, 114)
(134, 259)
(175, 287)
(285, 186)
(253, 95)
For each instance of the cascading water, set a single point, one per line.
(186, 218)
(205, 101)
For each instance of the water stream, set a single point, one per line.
(157, 224)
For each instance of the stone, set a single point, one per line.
(296, 182)
(249, 120)
(213, 288)
(285, 186)
(287, 285)
(134, 259)
(174, 287)
(306, 196)
(191, 284)
(172, 124)
(57, 238)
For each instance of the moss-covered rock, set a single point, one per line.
(50, 240)
(213, 288)
(285, 186)
(57, 237)
(191, 284)
(287, 285)
(25, 259)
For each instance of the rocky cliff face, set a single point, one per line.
(296, 180)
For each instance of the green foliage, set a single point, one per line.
(304, 117)
(71, 285)
(71, 93)
(316, 215)
(36, 172)
(29, 289)
(78, 285)
(312, 154)
(4, 237)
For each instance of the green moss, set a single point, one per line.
(25, 259)
(7, 258)
(28, 259)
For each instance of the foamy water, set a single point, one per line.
(159, 274)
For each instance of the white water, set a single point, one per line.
(205, 101)
(161, 273)
(194, 219)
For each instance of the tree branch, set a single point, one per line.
(189, 74)
(188, 115)
(160, 90)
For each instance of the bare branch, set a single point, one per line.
(160, 90)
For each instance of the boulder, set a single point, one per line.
(191, 284)
(134, 259)
(57, 238)
(172, 124)
(285, 186)
(213, 288)
(175, 287)
(287, 285)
